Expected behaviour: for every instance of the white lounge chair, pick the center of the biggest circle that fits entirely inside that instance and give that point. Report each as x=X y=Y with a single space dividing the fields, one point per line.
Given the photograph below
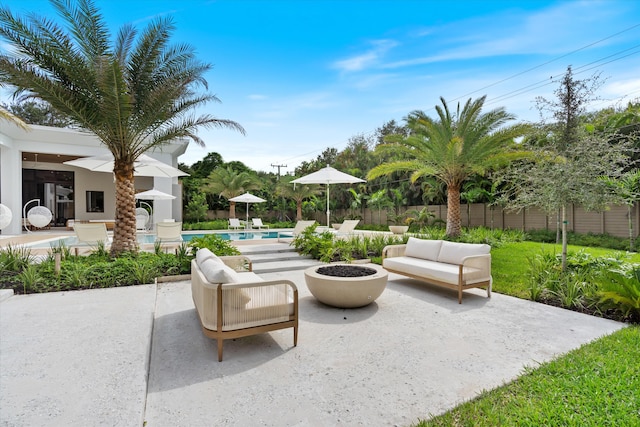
x=169 y=234
x=299 y=228
x=346 y=229
x=234 y=224
x=257 y=223
x=169 y=231
x=91 y=234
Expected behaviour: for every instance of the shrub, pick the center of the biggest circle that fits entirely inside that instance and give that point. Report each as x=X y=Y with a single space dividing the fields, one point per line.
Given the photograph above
x=215 y=244
x=620 y=290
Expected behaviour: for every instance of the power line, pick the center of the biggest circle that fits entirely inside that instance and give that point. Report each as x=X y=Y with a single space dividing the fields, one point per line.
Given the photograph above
x=533 y=86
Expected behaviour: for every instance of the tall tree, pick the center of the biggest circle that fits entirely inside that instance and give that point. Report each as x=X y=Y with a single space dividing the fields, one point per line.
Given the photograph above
x=570 y=160
x=135 y=94
x=228 y=183
x=452 y=148
x=38 y=113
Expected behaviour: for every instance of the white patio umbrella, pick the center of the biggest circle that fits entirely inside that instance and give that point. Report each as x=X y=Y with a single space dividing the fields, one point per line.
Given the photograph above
x=144 y=166
x=328 y=176
x=247 y=198
x=154 y=194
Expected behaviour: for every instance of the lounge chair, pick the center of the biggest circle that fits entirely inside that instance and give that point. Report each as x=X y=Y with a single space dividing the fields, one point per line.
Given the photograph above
x=234 y=224
x=257 y=223
x=169 y=234
x=169 y=231
x=91 y=234
x=346 y=229
x=299 y=228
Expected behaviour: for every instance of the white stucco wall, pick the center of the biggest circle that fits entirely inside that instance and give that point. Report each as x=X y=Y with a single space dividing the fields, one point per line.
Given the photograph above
x=42 y=139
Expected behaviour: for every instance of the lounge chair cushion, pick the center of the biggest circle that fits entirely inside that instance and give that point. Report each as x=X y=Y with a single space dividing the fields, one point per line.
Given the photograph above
x=423 y=249
x=454 y=253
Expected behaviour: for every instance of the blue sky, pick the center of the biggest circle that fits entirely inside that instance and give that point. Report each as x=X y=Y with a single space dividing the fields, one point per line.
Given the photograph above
x=301 y=76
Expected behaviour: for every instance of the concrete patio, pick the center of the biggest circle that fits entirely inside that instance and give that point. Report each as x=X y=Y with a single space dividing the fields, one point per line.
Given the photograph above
x=136 y=356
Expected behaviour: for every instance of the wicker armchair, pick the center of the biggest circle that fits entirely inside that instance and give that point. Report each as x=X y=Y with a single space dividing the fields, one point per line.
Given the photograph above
x=234 y=302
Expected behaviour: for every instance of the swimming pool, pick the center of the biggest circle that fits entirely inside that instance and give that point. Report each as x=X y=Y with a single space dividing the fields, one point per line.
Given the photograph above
x=150 y=238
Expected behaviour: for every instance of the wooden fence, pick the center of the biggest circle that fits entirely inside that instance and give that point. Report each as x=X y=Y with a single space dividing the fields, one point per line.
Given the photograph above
x=614 y=221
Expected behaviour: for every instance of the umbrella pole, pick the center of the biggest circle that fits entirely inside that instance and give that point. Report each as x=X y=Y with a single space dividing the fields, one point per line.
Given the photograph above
x=328 y=212
x=246 y=224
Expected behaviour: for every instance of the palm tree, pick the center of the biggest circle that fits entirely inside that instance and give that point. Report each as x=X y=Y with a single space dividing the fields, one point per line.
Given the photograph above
x=133 y=95
x=452 y=148
x=298 y=193
x=7 y=115
x=229 y=183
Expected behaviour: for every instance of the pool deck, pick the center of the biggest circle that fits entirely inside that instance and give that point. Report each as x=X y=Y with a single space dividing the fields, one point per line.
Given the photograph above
x=136 y=356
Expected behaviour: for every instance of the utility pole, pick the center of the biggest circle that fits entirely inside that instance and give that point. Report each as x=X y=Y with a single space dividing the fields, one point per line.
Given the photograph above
x=278 y=166
x=281 y=216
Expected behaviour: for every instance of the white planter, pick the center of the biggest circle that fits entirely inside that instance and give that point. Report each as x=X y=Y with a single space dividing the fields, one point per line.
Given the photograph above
x=398 y=229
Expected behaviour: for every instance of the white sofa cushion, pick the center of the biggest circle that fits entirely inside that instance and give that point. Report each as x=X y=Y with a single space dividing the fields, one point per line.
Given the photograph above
x=217 y=272
x=433 y=270
x=453 y=253
x=423 y=249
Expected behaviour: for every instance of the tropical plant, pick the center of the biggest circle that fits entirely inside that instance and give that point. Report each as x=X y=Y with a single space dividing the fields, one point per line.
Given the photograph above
x=380 y=201
x=228 y=183
x=214 y=243
x=452 y=148
x=627 y=188
x=298 y=192
x=134 y=95
x=196 y=209
x=620 y=290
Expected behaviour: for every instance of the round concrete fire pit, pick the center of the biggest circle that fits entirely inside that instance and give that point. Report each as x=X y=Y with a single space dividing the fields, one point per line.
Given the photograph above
x=346 y=285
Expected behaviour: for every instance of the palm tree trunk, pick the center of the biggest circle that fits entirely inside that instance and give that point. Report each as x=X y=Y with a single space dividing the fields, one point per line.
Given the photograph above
x=454 y=225
x=124 y=232
x=232 y=209
x=299 y=210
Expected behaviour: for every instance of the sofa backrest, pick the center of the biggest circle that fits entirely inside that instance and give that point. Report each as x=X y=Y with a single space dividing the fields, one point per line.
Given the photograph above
x=454 y=252
x=443 y=250
x=423 y=249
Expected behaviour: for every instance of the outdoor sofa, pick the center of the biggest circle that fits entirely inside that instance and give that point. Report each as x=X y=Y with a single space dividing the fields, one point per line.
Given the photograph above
x=453 y=265
x=234 y=302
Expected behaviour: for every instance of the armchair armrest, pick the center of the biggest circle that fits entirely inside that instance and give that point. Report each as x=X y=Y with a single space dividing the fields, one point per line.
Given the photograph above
x=391 y=251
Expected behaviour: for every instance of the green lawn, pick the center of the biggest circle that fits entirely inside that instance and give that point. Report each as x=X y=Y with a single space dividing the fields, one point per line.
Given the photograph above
x=509 y=263
x=595 y=385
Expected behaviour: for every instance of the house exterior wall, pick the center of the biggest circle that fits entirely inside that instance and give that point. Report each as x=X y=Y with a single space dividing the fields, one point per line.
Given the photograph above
x=50 y=140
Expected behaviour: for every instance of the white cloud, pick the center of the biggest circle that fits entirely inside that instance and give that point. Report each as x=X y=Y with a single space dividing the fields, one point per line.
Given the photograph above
x=367 y=59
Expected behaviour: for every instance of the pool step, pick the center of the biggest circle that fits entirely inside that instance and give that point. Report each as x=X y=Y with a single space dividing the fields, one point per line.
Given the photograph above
x=277 y=257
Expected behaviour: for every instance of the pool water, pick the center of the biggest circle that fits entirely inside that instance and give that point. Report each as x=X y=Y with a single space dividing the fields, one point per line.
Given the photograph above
x=186 y=237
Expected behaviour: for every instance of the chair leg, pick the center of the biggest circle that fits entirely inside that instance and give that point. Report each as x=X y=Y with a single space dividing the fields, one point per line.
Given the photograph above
x=220 y=342
x=295 y=336
x=460 y=295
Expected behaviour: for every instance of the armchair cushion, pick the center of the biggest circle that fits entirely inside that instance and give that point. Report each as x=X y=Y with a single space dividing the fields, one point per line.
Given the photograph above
x=218 y=272
x=203 y=254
